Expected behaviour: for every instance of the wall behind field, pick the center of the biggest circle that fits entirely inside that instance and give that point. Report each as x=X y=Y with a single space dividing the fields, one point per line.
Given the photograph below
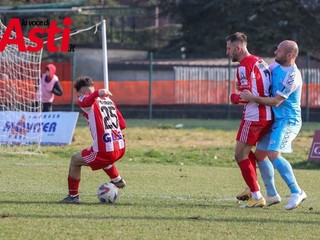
x=130 y=84
x=179 y=88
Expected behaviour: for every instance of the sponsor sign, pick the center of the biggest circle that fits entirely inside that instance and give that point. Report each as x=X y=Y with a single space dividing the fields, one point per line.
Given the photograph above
x=314 y=154
x=48 y=128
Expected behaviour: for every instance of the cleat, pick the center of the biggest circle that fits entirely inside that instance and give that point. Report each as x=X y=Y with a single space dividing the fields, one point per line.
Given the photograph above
x=70 y=199
x=256 y=202
x=295 y=200
x=245 y=195
x=273 y=200
x=119 y=184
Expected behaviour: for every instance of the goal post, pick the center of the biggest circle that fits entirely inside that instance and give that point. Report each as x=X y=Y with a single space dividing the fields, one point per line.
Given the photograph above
x=19 y=81
x=105 y=54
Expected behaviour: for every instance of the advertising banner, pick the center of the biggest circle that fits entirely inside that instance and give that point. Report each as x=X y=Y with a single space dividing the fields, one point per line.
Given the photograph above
x=47 y=128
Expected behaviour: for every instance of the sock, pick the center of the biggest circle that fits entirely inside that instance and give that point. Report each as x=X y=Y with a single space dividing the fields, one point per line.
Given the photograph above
x=117 y=179
x=111 y=171
x=256 y=195
x=286 y=172
x=253 y=161
x=73 y=186
x=267 y=175
x=249 y=174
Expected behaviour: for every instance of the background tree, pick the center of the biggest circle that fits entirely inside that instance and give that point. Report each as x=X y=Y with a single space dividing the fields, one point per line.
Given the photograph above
x=205 y=24
x=200 y=26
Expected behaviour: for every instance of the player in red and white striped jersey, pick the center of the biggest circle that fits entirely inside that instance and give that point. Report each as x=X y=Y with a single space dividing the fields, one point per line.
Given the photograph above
x=106 y=123
x=253 y=74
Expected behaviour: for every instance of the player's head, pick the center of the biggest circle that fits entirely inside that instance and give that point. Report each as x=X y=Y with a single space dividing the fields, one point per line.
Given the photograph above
x=84 y=85
x=286 y=53
x=236 y=46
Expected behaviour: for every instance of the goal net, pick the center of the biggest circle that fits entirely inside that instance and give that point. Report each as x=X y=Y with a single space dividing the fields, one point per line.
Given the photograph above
x=20 y=109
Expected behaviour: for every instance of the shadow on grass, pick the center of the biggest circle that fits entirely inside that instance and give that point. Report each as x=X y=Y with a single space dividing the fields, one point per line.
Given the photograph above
x=306 y=165
x=146 y=204
x=195 y=218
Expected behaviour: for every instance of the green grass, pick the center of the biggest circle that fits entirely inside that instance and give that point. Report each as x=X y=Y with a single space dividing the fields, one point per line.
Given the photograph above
x=181 y=185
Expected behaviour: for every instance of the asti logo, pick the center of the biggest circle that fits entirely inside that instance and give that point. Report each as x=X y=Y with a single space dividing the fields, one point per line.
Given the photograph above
x=51 y=31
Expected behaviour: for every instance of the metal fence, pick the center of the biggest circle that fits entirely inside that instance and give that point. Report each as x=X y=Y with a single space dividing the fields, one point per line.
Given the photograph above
x=213 y=85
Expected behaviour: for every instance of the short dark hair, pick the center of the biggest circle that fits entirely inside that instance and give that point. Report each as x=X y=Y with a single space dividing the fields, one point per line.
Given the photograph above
x=238 y=37
x=83 y=81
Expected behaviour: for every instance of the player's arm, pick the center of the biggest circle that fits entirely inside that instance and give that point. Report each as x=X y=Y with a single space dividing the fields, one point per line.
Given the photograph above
x=242 y=83
x=88 y=100
x=104 y=93
x=269 y=101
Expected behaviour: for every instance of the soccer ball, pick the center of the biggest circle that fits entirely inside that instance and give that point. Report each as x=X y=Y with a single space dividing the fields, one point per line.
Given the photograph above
x=107 y=193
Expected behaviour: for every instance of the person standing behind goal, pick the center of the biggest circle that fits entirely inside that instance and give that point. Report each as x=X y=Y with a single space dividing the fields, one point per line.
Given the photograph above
x=253 y=74
x=50 y=86
x=106 y=123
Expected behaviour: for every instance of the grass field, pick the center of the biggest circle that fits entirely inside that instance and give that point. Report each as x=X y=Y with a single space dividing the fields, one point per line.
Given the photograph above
x=181 y=184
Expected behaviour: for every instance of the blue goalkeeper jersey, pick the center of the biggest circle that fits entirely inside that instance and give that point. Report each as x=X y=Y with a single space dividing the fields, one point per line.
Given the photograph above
x=287 y=82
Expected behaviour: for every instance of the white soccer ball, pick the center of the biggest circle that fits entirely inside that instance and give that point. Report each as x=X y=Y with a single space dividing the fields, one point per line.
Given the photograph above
x=107 y=193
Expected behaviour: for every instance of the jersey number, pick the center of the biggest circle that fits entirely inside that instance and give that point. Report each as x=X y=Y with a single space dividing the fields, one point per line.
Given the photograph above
x=110 y=118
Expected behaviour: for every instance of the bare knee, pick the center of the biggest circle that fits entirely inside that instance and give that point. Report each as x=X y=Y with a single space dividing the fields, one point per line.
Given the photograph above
x=272 y=155
x=76 y=160
x=242 y=151
x=260 y=155
x=238 y=156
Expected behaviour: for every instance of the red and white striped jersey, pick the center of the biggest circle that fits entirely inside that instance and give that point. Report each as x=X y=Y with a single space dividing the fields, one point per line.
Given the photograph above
x=254 y=75
x=105 y=122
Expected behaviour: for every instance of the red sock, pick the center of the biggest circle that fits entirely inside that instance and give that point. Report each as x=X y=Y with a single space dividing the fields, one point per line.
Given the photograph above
x=249 y=174
x=253 y=161
x=112 y=172
x=73 y=185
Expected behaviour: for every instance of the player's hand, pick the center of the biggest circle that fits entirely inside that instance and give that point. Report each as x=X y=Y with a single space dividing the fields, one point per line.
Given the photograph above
x=104 y=93
x=246 y=96
x=234 y=98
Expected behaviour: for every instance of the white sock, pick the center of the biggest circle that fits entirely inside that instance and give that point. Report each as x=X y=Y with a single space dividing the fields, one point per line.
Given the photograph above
x=117 y=179
x=256 y=195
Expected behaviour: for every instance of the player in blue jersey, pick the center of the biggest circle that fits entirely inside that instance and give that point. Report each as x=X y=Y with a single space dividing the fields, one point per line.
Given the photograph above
x=285 y=101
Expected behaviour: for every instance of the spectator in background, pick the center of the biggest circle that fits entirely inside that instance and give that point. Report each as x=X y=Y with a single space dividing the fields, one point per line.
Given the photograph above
x=50 y=86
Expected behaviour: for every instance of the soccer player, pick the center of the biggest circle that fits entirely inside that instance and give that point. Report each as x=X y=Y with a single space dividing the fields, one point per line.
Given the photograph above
x=105 y=122
x=253 y=74
x=285 y=102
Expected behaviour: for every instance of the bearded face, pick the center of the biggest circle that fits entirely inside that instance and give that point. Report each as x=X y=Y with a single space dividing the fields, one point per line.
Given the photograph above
x=280 y=55
x=232 y=51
